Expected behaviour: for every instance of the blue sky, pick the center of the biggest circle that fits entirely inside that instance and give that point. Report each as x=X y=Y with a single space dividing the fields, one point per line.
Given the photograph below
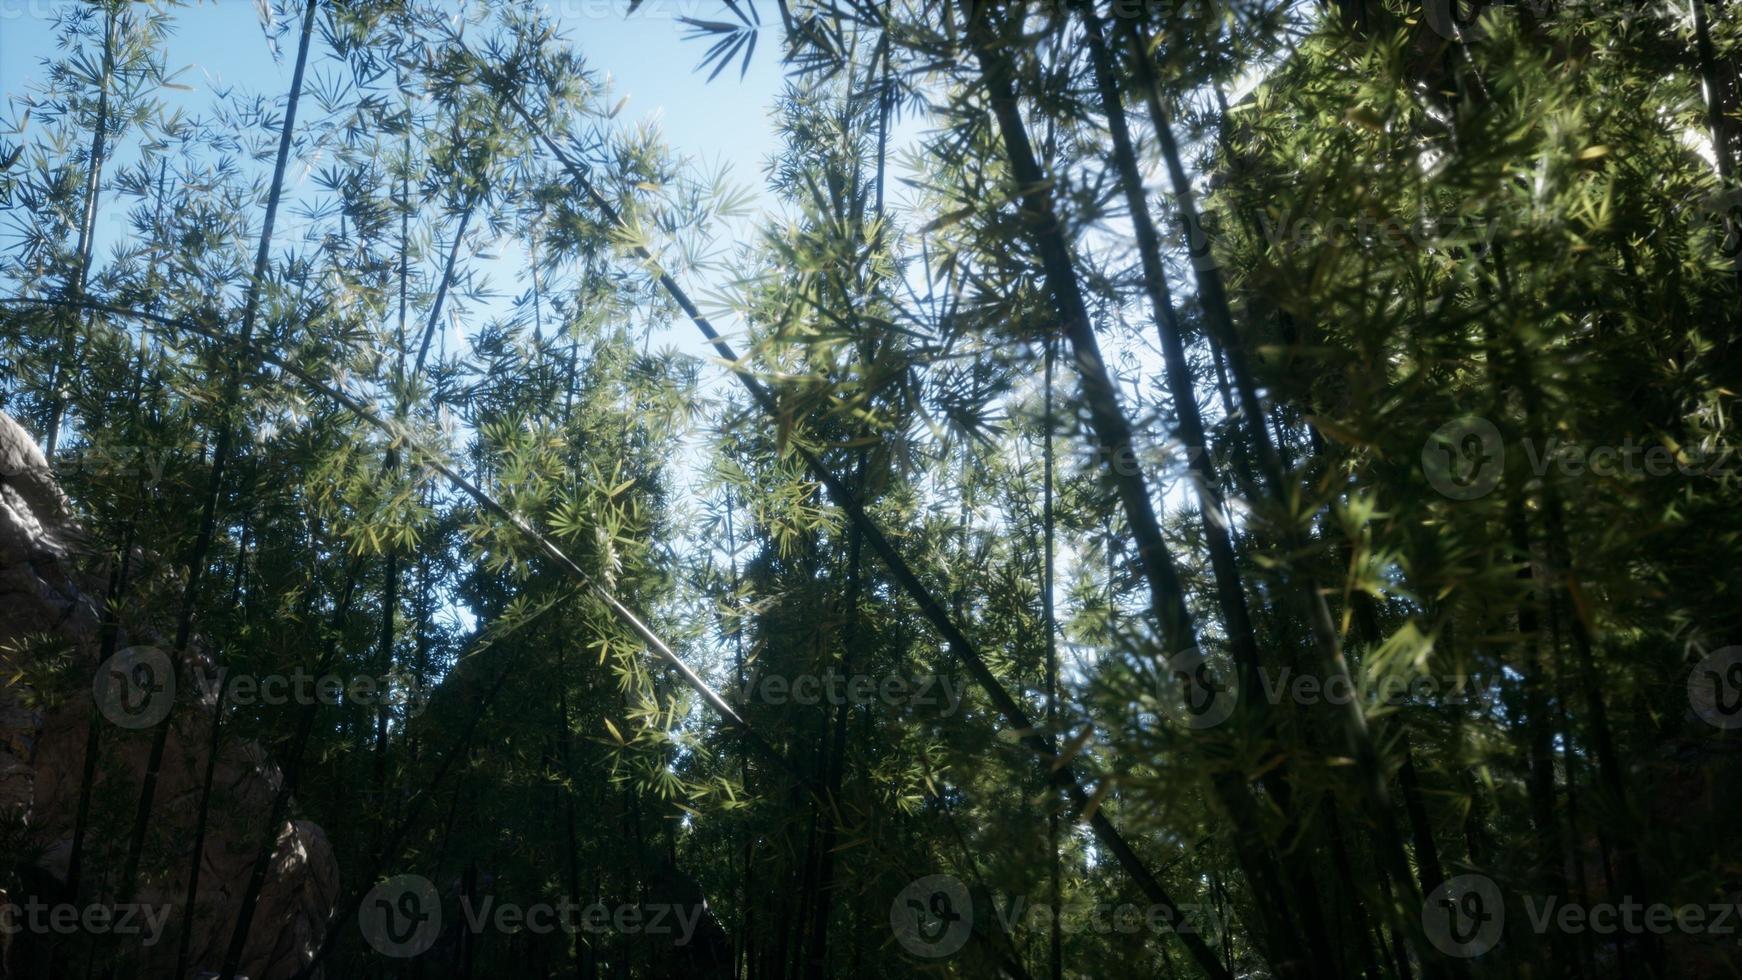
x=726 y=121
x=644 y=53
x=723 y=122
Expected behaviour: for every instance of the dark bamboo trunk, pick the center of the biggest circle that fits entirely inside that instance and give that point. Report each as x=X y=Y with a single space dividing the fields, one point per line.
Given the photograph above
x=929 y=606
x=221 y=449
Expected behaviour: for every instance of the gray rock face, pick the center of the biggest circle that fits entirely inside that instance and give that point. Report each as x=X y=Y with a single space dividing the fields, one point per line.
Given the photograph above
x=49 y=607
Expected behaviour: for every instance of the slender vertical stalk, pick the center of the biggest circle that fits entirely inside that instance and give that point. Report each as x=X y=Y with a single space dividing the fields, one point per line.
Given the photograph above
x=1113 y=431
x=1212 y=292
x=565 y=750
x=390 y=467
x=435 y=310
x=1372 y=788
x=929 y=606
x=746 y=919
x=1717 y=93
x=289 y=778
x=1216 y=519
x=110 y=629
x=87 y=229
x=1564 y=575
x=108 y=639
x=189 y=909
x=384 y=670
x=221 y=450
x=346 y=910
x=1055 y=890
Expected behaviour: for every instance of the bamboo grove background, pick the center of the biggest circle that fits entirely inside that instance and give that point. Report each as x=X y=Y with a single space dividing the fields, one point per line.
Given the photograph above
x=1127 y=405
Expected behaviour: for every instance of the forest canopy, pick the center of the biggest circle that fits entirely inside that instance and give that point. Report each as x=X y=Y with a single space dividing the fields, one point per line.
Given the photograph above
x=1145 y=488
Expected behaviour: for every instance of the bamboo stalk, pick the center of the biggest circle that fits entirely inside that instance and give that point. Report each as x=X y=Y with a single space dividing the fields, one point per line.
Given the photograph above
x=221 y=450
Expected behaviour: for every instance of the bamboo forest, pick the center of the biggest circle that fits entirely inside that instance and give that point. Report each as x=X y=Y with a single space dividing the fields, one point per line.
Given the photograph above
x=871 y=488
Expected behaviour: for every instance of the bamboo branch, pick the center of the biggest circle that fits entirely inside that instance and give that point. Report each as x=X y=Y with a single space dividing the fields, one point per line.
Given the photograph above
x=1014 y=714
